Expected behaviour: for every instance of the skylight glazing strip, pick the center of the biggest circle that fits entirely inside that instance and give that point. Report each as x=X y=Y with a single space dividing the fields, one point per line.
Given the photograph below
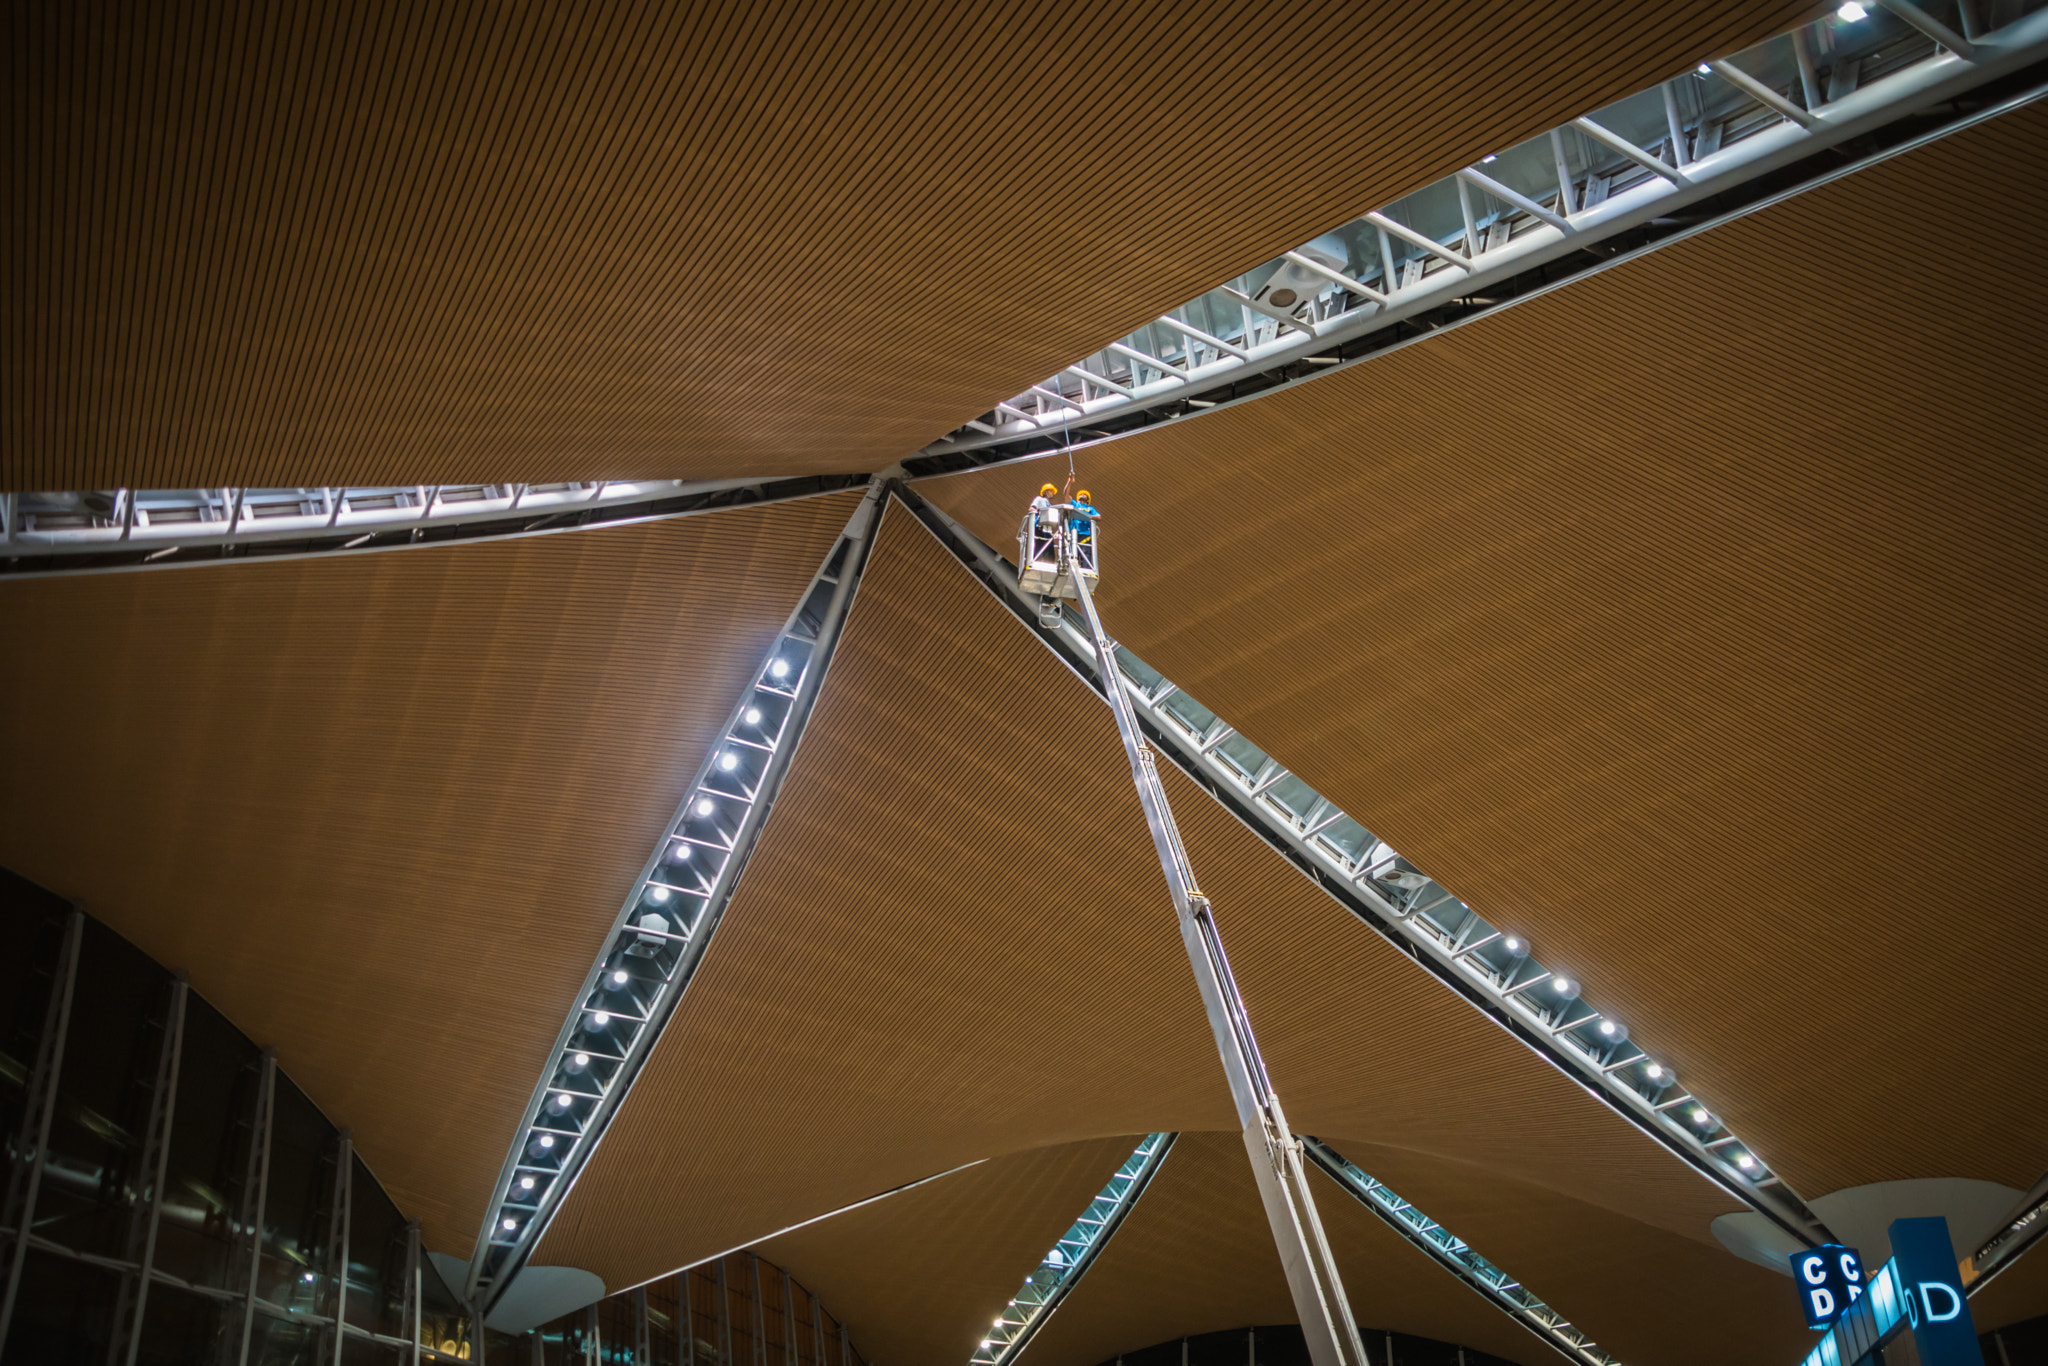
x=1453 y=1254
x=1467 y=235
x=95 y=527
x=659 y=936
x=1071 y=1256
x=1491 y=967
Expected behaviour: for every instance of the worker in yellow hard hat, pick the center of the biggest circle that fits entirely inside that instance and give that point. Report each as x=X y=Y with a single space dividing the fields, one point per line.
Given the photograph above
x=1045 y=522
x=1084 y=527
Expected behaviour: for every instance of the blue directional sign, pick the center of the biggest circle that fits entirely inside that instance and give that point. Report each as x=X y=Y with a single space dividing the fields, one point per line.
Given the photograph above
x=1933 y=1290
x=1830 y=1279
x=1919 y=1288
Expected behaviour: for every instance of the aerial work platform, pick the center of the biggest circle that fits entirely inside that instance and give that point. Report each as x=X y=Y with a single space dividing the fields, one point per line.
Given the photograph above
x=1046 y=565
x=1070 y=570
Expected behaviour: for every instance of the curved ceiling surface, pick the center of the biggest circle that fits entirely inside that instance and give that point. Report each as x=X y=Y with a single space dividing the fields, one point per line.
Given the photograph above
x=1688 y=619
x=456 y=243
x=384 y=807
x=953 y=941
x=923 y=1273
x=1195 y=1255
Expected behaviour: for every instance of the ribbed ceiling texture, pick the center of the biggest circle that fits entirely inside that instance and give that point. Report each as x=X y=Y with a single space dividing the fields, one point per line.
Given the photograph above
x=1688 y=619
x=458 y=243
x=924 y=1272
x=885 y=1000
x=1195 y=1256
x=384 y=807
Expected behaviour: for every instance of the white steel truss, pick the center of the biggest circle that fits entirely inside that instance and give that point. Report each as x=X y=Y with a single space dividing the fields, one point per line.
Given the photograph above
x=669 y=916
x=94 y=528
x=1455 y=1256
x=1491 y=968
x=1649 y=170
x=1070 y=1257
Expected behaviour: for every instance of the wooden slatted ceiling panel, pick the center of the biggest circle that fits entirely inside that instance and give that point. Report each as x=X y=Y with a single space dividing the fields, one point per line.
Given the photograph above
x=1690 y=620
x=1635 y=1288
x=922 y=967
x=384 y=807
x=457 y=243
x=953 y=942
x=2017 y=1295
x=922 y=1275
x=1196 y=1256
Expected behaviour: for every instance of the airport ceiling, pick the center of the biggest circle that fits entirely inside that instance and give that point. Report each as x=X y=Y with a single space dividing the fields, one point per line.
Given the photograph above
x=449 y=243
x=1687 y=619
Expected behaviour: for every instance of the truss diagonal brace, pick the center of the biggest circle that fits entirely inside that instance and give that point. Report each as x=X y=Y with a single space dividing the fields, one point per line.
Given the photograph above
x=1275 y=1153
x=659 y=937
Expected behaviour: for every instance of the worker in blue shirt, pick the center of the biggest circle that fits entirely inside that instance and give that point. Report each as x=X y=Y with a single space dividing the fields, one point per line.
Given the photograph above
x=1084 y=527
x=1084 y=530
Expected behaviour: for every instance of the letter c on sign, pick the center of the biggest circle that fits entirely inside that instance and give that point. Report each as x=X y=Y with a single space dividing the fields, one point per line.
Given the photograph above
x=1815 y=1269
x=1955 y=1301
x=1824 y=1303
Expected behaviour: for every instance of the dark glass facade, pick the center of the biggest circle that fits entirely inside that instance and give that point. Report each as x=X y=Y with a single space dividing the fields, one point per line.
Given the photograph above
x=178 y=1147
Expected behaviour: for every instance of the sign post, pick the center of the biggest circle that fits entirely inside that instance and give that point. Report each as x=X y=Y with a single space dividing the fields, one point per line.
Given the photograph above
x=1919 y=1288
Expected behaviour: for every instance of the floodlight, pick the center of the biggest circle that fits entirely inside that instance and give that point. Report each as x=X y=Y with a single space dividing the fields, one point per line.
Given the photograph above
x=563 y=1100
x=600 y=1019
x=657 y=894
x=1516 y=947
x=526 y=1183
x=679 y=854
x=577 y=1062
x=753 y=716
x=1654 y=1071
x=1852 y=11
x=1564 y=987
x=510 y=1224
x=1701 y=1117
x=704 y=807
x=648 y=943
x=1745 y=1161
x=728 y=761
x=620 y=977
x=779 y=669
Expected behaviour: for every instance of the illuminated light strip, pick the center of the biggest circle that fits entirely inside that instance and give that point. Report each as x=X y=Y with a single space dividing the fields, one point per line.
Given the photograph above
x=1452 y=1253
x=1432 y=927
x=84 y=530
x=1524 y=240
x=1071 y=1256
x=645 y=966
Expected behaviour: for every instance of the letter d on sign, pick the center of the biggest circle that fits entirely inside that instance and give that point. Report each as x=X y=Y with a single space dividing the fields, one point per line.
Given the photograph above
x=1821 y=1305
x=1926 y=1261
x=1929 y=1290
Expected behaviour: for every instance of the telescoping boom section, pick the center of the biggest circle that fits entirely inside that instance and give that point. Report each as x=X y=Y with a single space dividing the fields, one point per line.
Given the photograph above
x=1276 y=1155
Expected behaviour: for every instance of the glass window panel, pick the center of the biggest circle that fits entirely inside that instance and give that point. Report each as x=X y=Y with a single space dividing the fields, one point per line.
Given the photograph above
x=61 y=1310
x=1246 y=757
x=295 y=1209
x=356 y=1352
x=180 y=1326
x=110 y=1061
x=1347 y=837
x=33 y=922
x=209 y=1142
x=376 y=1254
x=1295 y=795
x=275 y=1342
x=443 y=1323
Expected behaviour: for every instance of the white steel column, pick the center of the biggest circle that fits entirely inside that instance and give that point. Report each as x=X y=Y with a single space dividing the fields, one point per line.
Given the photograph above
x=1275 y=1154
